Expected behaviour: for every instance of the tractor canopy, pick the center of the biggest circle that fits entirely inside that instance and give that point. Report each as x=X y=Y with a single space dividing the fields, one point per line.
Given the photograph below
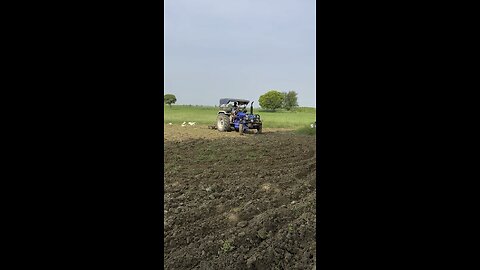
x=225 y=101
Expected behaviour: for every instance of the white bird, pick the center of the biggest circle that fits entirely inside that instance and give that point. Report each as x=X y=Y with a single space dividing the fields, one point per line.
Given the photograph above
x=311 y=125
x=169 y=124
x=191 y=123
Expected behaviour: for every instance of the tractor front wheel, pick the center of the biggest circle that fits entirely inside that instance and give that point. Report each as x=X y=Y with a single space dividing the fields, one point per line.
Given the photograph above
x=223 y=122
x=259 y=130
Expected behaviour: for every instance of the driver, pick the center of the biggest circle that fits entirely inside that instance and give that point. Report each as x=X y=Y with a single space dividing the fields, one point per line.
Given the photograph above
x=234 y=111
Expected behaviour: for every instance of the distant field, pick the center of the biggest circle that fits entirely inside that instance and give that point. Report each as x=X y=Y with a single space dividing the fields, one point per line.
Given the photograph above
x=206 y=115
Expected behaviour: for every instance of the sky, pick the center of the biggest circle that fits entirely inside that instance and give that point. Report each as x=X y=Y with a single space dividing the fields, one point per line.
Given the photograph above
x=239 y=49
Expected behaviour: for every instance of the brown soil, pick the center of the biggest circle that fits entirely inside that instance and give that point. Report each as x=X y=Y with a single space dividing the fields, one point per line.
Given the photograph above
x=239 y=202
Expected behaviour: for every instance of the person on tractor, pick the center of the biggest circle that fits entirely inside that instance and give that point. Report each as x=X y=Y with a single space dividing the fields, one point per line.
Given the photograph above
x=234 y=111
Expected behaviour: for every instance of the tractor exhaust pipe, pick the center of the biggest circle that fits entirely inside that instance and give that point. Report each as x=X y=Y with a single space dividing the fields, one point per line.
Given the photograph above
x=251 y=108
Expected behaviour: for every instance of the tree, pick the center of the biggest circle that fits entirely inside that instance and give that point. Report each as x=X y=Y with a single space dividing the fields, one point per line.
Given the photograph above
x=290 y=100
x=271 y=100
x=169 y=99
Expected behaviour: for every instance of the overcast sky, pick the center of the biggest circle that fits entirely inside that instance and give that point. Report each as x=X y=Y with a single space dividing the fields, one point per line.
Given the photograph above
x=239 y=49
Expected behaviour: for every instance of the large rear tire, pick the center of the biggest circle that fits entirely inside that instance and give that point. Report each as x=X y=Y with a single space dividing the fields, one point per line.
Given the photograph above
x=223 y=122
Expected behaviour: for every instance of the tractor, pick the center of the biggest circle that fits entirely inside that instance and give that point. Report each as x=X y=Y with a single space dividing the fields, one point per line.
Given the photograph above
x=233 y=115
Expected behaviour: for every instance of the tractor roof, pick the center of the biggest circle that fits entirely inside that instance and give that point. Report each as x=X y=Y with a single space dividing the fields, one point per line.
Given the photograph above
x=240 y=101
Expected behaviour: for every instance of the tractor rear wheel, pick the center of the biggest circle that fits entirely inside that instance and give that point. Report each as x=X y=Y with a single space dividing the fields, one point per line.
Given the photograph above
x=223 y=122
x=240 y=129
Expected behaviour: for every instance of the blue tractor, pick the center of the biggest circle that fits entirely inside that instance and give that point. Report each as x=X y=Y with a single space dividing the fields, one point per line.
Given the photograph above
x=233 y=116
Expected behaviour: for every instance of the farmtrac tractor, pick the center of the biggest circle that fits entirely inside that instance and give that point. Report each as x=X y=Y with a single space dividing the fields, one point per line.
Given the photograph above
x=233 y=116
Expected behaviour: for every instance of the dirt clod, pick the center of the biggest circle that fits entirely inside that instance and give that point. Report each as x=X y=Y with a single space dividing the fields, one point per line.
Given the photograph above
x=242 y=224
x=250 y=261
x=262 y=233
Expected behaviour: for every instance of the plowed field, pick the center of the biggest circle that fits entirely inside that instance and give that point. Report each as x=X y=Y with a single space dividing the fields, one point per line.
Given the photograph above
x=239 y=202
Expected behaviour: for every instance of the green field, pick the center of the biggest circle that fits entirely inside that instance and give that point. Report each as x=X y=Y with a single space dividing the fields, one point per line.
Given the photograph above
x=205 y=115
